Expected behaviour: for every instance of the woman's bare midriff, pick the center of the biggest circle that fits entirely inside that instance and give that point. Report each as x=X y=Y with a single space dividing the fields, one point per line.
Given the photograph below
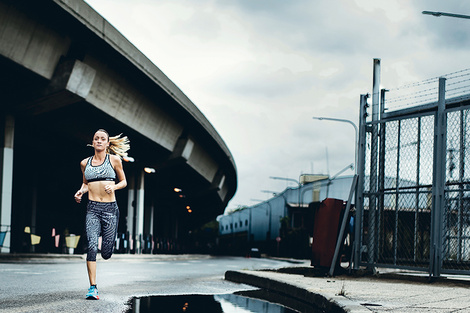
x=96 y=191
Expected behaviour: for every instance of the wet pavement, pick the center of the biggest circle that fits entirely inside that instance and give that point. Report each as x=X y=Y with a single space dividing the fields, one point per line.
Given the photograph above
x=296 y=285
x=58 y=283
x=223 y=303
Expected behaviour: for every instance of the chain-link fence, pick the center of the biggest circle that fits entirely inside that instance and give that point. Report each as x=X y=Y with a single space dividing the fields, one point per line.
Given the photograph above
x=456 y=234
x=416 y=181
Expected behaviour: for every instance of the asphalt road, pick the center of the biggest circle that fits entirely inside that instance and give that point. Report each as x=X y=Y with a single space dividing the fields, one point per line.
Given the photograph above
x=60 y=286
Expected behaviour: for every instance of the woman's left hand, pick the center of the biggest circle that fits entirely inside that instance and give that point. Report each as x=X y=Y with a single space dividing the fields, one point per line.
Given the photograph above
x=109 y=189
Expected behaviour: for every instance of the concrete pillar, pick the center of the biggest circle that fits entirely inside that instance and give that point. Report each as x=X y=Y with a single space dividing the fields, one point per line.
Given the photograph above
x=139 y=215
x=149 y=221
x=151 y=217
x=130 y=207
x=34 y=206
x=176 y=228
x=7 y=180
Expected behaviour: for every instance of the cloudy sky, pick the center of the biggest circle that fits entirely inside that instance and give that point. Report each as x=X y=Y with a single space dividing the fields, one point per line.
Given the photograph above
x=259 y=70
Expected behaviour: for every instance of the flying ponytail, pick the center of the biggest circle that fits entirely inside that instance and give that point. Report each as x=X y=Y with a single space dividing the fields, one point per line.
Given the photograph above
x=117 y=145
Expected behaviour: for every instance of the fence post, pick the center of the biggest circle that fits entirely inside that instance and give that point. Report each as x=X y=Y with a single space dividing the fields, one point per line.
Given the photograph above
x=381 y=175
x=439 y=177
x=372 y=225
x=361 y=142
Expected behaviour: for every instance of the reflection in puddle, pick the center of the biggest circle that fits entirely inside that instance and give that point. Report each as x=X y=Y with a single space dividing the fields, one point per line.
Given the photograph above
x=227 y=303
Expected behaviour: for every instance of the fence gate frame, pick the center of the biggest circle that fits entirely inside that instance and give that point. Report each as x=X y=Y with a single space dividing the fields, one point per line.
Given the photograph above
x=371 y=192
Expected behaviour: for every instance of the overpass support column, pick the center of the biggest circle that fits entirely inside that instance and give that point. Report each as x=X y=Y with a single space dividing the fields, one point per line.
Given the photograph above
x=130 y=209
x=139 y=215
x=148 y=226
x=7 y=180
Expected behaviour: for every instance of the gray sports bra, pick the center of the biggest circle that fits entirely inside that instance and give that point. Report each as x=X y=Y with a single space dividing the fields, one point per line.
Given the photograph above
x=105 y=171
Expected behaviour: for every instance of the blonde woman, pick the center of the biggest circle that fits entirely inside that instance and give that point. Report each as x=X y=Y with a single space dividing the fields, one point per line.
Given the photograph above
x=103 y=174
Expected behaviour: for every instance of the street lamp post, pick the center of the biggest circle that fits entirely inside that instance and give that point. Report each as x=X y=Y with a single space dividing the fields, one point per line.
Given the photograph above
x=355 y=130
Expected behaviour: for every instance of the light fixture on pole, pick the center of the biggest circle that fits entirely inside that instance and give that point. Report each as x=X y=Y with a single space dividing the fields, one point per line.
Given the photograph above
x=355 y=129
x=128 y=159
x=274 y=193
x=149 y=170
x=438 y=14
x=285 y=178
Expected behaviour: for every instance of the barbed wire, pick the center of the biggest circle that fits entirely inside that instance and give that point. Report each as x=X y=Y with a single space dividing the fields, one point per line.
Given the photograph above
x=450 y=83
x=416 y=93
x=415 y=84
x=412 y=97
x=449 y=76
x=407 y=96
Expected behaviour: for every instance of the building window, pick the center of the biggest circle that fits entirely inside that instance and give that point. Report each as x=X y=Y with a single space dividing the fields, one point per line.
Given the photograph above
x=246 y=222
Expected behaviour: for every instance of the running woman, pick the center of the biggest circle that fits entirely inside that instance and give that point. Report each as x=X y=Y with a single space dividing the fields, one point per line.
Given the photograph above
x=103 y=174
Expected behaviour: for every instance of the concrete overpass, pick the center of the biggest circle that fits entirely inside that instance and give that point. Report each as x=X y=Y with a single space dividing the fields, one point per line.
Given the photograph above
x=64 y=73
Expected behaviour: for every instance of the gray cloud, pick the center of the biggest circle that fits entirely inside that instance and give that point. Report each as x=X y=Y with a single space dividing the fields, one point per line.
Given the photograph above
x=261 y=69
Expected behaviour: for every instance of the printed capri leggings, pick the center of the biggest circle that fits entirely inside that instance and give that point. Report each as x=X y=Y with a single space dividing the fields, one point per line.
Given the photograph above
x=101 y=219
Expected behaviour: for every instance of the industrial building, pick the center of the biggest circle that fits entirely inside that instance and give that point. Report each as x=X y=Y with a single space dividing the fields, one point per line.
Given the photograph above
x=260 y=226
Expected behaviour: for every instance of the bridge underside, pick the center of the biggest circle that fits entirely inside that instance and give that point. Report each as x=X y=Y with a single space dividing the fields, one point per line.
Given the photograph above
x=60 y=83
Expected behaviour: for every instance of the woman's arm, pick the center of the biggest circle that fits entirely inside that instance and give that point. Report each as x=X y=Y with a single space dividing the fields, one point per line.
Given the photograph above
x=84 y=188
x=122 y=182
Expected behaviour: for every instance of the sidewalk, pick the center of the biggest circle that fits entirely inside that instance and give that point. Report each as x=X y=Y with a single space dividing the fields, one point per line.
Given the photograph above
x=391 y=291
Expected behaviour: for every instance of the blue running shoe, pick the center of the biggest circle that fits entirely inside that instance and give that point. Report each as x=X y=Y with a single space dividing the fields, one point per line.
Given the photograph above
x=92 y=293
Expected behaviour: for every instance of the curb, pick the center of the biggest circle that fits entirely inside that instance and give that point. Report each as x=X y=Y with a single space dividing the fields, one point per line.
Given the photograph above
x=55 y=257
x=38 y=258
x=324 y=302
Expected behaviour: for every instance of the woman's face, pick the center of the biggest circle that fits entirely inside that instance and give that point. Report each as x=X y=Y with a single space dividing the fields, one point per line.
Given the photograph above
x=100 y=141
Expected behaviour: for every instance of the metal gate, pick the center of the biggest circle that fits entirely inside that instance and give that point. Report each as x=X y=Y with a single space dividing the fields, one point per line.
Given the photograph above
x=413 y=196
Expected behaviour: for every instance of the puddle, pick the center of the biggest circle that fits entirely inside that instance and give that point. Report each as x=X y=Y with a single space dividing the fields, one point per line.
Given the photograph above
x=225 y=303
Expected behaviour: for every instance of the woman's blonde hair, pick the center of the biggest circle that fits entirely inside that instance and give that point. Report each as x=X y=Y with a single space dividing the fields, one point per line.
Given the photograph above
x=117 y=145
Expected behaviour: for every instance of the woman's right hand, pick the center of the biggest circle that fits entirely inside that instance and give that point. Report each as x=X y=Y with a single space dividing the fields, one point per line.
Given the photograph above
x=78 y=196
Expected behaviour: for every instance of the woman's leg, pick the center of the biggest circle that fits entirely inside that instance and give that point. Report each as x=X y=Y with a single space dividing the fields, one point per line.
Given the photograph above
x=91 y=267
x=109 y=225
x=92 y=229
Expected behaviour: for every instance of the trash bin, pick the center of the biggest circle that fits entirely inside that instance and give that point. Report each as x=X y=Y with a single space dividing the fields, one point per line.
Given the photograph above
x=327 y=220
x=71 y=241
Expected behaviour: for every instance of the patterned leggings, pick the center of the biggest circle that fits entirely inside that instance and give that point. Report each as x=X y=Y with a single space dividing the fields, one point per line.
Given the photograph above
x=101 y=219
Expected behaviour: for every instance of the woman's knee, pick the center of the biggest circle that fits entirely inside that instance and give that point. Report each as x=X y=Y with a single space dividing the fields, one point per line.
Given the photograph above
x=91 y=255
x=106 y=254
x=107 y=250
